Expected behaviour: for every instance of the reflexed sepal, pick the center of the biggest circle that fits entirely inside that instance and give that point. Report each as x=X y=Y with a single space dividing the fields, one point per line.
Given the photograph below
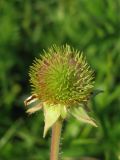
x=35 y=108
x=63 y=112
x=96 y=92
x=51 y=113
x=80 y=114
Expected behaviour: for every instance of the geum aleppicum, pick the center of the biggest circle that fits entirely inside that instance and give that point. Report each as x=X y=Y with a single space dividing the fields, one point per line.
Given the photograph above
x=62 y=83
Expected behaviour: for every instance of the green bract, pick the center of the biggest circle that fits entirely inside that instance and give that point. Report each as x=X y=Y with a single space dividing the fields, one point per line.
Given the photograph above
x=62 y=81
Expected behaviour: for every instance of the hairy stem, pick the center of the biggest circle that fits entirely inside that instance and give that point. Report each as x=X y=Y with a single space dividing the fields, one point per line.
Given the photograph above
x=55 y=140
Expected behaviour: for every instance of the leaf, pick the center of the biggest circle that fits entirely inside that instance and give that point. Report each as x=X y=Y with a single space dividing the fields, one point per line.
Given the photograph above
x=51 y=114
x=80 y=114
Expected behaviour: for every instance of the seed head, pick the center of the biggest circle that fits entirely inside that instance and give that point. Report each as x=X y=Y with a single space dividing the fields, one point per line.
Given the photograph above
x=61 y=79
x=61 y=76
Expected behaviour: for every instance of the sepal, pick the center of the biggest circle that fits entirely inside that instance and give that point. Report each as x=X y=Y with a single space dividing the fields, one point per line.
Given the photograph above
x=80 y=114
x=51 y=114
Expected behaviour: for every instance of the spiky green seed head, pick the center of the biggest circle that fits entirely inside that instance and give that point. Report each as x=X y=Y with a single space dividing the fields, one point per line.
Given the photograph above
x=62 y=76
x=62 y=82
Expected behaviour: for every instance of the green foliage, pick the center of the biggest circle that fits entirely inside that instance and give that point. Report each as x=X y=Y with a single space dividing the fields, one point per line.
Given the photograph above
x=26 y=27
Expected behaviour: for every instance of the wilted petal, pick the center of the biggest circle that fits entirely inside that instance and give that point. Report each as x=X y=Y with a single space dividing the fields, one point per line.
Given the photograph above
x=51 y=113
x=31 y=99
x=35 y=108
x=80 y=114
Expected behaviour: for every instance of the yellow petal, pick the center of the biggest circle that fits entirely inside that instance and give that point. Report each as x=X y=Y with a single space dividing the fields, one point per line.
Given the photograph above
x=51 y=114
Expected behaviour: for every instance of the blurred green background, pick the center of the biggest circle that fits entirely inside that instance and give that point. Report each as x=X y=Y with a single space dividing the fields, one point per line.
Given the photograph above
x=26 y=28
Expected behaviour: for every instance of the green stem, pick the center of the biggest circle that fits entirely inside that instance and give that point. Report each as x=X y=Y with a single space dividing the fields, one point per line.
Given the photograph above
x=55 y=140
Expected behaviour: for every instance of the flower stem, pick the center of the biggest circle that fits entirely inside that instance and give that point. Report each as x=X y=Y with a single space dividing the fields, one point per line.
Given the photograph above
x=55 y=140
